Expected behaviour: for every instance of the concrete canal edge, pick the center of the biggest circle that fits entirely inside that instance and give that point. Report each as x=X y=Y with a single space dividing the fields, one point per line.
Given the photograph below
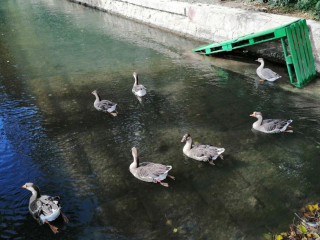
x=205 y=22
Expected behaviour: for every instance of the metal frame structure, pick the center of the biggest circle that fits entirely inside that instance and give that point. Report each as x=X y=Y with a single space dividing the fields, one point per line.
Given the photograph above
x=295 y=43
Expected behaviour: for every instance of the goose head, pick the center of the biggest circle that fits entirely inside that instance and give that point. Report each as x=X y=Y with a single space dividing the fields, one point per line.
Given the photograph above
x=186 y=138
x=256 y=114
x=32 y=188
x=260 y=60
x=135 y=74
x=95 y=93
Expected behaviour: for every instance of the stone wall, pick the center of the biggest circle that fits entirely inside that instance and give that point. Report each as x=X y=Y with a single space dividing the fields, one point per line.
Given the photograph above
x=210 y=23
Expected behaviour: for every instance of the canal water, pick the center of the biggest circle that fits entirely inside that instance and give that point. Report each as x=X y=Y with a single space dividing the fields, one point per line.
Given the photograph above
x=54 y=53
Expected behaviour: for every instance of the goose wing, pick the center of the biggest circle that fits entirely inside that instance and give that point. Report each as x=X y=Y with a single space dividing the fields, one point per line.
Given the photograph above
x=104 y=105
x=152 y=171
x=137 y=88
x=268 y=74
x=45 y=205
x=206 y=151
x=275 y=124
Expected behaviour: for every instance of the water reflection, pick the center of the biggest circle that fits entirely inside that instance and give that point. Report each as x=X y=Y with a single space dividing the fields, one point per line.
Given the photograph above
x=51 y=134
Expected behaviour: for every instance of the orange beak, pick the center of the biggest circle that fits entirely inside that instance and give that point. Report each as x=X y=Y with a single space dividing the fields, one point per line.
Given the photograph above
x=252 y=115
x=24 y=186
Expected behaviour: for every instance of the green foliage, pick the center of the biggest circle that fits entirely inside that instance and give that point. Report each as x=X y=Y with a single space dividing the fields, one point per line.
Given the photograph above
x=307 y=4
x=303 y=229
x=284 y=3
x=311 y=6
x=304 y=5
x=317 y=10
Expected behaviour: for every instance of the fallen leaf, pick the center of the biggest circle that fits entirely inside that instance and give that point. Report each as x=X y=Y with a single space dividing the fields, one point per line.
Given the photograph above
x=303 y=229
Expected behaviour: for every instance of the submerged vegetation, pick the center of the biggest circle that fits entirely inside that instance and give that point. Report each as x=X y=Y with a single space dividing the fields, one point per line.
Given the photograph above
x=306 y=227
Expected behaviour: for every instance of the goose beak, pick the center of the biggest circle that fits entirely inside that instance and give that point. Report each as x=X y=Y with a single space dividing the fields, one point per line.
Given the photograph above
x=257 y=60
x=24 y=186
x=183 y=139
x=252 y=115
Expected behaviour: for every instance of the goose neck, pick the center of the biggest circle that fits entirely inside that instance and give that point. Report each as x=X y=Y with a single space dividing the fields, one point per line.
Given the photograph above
x=188 y=144
x=259 y=121
x=98 y=99
x=35 y=194
x=135 y=163
x=261 y=65
x=136 y=80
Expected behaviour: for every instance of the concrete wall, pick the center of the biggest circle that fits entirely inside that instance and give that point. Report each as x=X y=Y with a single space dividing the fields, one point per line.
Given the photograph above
x=210 y=23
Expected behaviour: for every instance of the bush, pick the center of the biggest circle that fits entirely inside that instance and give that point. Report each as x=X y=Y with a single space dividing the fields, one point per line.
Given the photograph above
x=306 y=5
x=311 y=6
x=317 y=9
x=285 y=3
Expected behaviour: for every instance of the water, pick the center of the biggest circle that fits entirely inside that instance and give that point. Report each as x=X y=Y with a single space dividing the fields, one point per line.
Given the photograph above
x=54 y=53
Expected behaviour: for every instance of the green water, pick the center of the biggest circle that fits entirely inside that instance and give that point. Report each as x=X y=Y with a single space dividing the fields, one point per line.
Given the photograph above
x=55 y=53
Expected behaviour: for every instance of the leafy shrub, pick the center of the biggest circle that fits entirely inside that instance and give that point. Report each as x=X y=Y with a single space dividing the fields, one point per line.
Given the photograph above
x=311 y=6
x=317 y=9
x=306 y=5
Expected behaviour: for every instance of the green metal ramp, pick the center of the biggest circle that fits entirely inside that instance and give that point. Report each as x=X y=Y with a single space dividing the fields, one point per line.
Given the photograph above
x=296 y=47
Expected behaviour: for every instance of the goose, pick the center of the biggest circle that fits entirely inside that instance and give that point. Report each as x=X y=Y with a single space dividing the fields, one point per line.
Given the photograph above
x=44 y=208
x=104 y=105
x=270 y=125
x=148 y=171
x=266 y=73
x=205 y=153
x=138 y=89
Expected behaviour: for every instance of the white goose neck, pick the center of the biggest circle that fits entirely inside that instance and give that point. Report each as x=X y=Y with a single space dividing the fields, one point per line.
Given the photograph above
x=261 y=65
x=135 y=163
x=97 y=97
x=34 y=195
x=258 y=122
x=188 y=145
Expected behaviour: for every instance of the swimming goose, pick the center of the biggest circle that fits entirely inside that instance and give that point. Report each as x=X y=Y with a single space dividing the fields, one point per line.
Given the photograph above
x=205 y=153
x=270 y=125
x=44 y=208
x=148 y=171
x=138 y=89
x=266 y=73
x=104 y=105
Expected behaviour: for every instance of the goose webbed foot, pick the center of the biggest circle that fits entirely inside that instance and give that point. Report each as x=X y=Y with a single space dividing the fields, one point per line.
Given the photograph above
x=221 y=156
x=53 y=228
x=261 y=80
x=211 y=162
x=288 y=131
x=172 y=177
x=65 y=219
x=163 y=184
x=114 y=113
x=139 y=99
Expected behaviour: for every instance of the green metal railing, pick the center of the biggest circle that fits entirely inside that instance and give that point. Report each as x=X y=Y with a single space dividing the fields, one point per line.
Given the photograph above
x=295 y=43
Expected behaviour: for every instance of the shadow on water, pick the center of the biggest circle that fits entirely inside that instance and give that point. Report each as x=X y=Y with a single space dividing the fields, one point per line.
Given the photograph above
x=52 y=135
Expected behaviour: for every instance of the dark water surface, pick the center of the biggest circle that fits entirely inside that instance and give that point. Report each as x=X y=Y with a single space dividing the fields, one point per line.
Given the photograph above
x=53 y=53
